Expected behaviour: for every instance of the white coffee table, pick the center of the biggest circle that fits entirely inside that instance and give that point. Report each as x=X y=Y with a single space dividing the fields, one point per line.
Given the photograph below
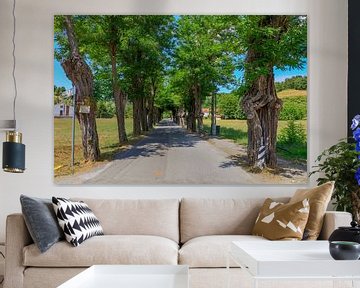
x=131 y=276
x=293 y=260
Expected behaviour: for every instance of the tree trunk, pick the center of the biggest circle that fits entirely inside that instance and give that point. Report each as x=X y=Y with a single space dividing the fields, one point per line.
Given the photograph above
x=137 y=116
x=151 y=100
x=260 y=103
x=194 y=119
x=144 y=115
x=119 y=96
x=213 y=114
x=182 y=117
x=157 y=115
x=151 y=115
x=173 y=115
x=198 y=107
x=191 y=116
x=81 y=76
x=120 y=104
x=262 y=107
x=177 y=116
x=138 y=102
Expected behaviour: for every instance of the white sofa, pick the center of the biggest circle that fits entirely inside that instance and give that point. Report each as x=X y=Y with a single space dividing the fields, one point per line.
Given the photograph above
x=194 y=232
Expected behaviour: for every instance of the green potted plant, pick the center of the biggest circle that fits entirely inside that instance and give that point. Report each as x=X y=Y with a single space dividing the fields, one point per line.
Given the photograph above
x=341 y=163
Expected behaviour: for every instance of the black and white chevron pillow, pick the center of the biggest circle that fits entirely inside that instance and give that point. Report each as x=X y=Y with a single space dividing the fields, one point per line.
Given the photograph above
x=77 y=220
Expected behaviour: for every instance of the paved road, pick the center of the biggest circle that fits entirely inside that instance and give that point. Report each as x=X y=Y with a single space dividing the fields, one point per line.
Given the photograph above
x=171 y=155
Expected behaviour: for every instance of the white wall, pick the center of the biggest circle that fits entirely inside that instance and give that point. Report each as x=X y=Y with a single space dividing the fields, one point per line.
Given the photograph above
x=327 y=89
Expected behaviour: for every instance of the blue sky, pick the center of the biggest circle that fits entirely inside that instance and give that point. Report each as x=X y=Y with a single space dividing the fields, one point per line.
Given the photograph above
x=280 y=75
x=60 y=78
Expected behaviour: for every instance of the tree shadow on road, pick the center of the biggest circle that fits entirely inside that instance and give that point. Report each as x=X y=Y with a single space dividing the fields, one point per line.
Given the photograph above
x=287 y=171
x=148 y=150
x=234 y=161
x=158 y=142
x=166 y=123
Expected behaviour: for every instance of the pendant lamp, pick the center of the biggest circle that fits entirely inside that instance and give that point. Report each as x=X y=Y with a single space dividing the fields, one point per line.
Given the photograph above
x=13 y=159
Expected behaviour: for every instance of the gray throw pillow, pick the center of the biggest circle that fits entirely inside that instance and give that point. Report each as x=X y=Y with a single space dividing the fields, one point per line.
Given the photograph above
x=41 y=222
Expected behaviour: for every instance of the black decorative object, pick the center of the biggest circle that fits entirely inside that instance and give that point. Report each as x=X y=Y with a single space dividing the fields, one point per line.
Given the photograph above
x=344 y=250
x=345 y=233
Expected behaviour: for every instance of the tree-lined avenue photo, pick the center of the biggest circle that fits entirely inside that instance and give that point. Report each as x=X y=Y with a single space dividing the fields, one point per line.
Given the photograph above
x=180 y=99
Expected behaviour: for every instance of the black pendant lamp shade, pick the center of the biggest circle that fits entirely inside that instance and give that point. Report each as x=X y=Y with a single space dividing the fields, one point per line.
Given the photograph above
x=13 y=153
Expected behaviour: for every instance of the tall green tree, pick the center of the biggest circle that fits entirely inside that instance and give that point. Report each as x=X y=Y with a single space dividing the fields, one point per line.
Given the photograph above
x=115 y=24
x=270 y=41
x=202 y=62
x=101 y=36
x=143 y=55
x=229 y=106
x=80 y=74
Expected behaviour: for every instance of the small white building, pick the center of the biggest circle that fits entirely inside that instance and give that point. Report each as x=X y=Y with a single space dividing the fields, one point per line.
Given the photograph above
x=63 y=110
x=206 y=112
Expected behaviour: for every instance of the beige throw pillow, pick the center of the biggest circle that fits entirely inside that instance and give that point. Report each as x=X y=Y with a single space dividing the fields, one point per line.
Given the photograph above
x=279 y=221
x=319 y=198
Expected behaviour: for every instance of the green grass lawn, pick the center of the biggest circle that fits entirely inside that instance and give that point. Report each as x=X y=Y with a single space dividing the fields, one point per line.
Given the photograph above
x=108 y=138
x=237 y=130
x=291 y=93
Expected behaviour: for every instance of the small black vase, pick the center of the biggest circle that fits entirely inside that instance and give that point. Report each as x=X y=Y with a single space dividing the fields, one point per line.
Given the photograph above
x=343 y=250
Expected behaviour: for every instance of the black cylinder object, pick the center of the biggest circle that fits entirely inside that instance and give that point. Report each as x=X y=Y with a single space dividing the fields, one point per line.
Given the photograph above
x=13 y=157
x=351 y=233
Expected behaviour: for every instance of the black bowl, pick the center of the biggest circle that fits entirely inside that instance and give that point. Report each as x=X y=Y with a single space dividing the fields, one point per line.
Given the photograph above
x=344 y=250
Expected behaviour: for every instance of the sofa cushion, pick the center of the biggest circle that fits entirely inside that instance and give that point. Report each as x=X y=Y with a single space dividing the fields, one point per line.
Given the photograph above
x=319 y=198
x=279 y=221
x=41 y=221
x=77 y=220
x=107 y=249
x=201 y=217
x=158 y=217
x=211 y=251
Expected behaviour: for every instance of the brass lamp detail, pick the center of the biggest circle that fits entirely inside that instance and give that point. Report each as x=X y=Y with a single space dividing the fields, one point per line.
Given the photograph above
x=13 y=153
x=13 y=136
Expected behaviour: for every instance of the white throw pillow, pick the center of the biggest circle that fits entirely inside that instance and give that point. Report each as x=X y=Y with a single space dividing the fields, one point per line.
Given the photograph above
x=77 y=220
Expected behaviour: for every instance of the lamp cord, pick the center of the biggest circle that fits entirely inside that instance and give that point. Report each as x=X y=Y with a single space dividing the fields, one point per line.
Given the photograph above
x=14 y=60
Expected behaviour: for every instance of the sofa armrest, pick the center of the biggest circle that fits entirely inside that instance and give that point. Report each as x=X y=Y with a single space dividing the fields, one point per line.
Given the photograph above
x=17 y=237
x=333 y=220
